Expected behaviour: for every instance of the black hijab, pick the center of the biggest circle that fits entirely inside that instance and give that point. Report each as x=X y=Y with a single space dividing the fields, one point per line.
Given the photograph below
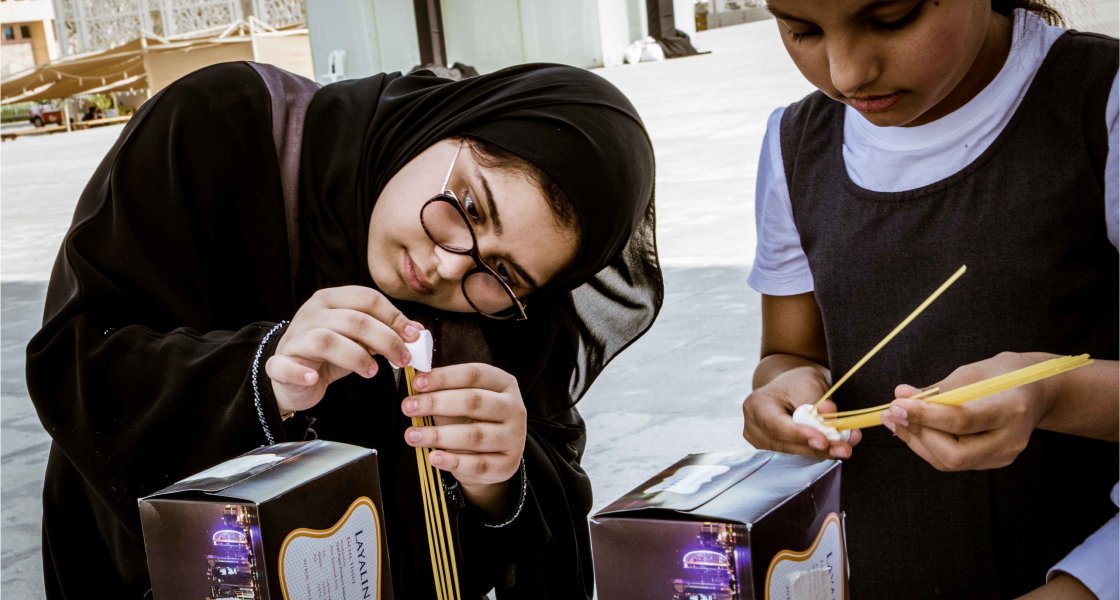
x=572 y=124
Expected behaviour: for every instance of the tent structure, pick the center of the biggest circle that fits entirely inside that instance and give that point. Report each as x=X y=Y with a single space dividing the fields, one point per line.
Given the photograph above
x=150 y=63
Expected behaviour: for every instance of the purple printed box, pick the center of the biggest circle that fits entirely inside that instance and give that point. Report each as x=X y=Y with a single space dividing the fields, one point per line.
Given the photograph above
x=296 y=521
x=722 y=526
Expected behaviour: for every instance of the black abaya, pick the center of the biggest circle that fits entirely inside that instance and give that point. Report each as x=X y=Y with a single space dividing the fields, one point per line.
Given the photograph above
x=175 y=267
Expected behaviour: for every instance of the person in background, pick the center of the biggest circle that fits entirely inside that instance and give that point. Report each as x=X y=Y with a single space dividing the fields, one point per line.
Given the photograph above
x=944 y=132
x=251 y=257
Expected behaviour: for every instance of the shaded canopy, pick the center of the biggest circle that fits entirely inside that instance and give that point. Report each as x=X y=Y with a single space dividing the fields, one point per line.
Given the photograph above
x=150 y=62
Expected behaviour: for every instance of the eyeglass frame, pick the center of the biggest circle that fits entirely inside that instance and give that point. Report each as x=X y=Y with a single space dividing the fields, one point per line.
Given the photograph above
x=448 y=196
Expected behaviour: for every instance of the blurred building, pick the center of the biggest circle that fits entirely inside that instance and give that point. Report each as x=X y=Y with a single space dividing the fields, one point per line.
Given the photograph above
x=96 y=25
x=357 y=38
x=29 y=35
x=711 y=14
x=120 y=52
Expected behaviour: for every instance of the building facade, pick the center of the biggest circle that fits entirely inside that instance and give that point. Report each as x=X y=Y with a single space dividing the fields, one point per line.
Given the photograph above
x=29 y=35
x=95 y=25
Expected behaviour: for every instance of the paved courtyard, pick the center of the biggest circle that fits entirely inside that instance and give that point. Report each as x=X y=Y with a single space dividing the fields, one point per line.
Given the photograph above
x=675 y=391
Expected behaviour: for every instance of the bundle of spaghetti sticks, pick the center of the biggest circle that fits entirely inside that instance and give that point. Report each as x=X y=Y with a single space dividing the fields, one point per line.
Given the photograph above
x=441 y=545
x=870 y=417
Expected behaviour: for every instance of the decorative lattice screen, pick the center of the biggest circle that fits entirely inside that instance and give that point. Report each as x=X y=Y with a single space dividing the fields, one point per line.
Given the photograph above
x=94 y=25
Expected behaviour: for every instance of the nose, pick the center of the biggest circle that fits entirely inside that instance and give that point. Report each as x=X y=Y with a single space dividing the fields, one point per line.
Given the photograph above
x=853 y=63
x=452 y=266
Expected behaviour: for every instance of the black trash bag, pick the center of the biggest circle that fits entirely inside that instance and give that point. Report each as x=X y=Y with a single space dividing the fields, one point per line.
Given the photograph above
x=455 y=72
x=678 y=44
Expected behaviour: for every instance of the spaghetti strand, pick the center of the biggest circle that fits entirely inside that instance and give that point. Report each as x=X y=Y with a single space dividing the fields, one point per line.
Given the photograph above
x=890 y=336
x=437 y=521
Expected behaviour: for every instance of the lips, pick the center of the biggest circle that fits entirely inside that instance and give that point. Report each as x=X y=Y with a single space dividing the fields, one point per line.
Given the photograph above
x=412 y=278
x=874 y=104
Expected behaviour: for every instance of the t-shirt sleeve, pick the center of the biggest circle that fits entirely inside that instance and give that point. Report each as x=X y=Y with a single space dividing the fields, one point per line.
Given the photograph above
x=1112 y=167
x=780 y=265
x=1094 y=562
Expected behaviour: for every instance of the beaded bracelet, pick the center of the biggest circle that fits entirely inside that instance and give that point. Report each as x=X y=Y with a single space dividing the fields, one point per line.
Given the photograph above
x=256 y=390
x=520 y=501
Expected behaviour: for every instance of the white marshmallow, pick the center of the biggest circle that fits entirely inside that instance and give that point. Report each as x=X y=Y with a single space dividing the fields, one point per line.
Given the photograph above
x=421 y=351
x=807 y=415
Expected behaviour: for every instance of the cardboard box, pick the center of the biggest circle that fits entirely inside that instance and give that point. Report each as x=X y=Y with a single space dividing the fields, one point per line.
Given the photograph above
x=298 y=520
x=726 y=527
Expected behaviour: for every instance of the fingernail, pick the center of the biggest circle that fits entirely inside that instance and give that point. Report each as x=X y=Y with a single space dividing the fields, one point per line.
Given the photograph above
x=409 y=407
x=413 y=435
x=887 y=422
x=420 y=381
x=838 y=452
x=410 y=331
x=405 y=358
x=372 y=370
x=309 y=377
x=435 y=459
x=817 y=444
x=899 y=416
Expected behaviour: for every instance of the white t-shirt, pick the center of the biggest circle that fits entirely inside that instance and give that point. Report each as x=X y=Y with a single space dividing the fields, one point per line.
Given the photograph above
x=895 y=159
x=1094 y=562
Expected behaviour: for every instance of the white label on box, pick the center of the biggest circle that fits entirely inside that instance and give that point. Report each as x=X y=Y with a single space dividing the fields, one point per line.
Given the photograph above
x=813 y=574
x=236 y=466
x=688 y=479
x=340 y=563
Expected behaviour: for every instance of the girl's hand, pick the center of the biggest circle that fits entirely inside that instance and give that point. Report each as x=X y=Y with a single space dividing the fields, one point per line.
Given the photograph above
x=768 y=416
x=336 y=332
x=983 y=434
x=479 y=431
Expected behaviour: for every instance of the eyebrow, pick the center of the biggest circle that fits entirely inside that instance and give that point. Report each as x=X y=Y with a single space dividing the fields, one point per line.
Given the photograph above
x=865 y=9
x=523 y=274
x=781 y=14
x=492 y=208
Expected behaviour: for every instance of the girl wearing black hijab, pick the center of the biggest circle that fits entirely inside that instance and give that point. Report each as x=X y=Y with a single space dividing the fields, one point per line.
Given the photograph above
x=253 y=246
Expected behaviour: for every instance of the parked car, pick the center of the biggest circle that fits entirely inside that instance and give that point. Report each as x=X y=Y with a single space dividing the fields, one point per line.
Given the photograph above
x=45 y=114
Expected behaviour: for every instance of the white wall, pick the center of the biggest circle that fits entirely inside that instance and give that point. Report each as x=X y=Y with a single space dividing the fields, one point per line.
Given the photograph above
x=499 y=33
x=684 y=15
x=26 y=10
x=378 y=36
x=615 y=29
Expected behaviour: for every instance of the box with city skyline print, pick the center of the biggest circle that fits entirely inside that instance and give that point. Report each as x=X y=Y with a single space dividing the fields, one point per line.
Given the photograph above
x=296 y=521
x=726 y=526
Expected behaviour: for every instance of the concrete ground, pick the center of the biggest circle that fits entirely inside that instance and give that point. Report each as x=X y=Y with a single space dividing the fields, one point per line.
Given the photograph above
x=676 y=391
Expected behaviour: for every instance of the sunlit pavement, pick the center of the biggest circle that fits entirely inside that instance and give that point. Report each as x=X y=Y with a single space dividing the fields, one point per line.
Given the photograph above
x=675 y=391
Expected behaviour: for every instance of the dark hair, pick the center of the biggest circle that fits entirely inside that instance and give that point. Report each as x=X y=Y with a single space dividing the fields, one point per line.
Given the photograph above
x=1040 y=7
x=493 y=156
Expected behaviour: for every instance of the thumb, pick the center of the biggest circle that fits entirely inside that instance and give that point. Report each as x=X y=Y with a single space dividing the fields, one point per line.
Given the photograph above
x=287 y=371
x=905 y=391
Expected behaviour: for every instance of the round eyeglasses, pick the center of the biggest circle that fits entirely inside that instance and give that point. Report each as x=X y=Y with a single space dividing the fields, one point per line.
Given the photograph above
x=447 y=224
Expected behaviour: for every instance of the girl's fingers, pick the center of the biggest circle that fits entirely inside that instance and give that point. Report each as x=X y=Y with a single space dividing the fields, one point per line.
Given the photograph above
x=331 y=347
x=768 y=424
x=974 y=417
x=476 y=404
x=463 y=437
x=987 y=450
x=913 y=437
x=297 y=386
x=905 y=391
x=465 y=376
x=476 y=468
x=288 y=371
x=374 y=335
x=370 y=302
x=947 y=452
